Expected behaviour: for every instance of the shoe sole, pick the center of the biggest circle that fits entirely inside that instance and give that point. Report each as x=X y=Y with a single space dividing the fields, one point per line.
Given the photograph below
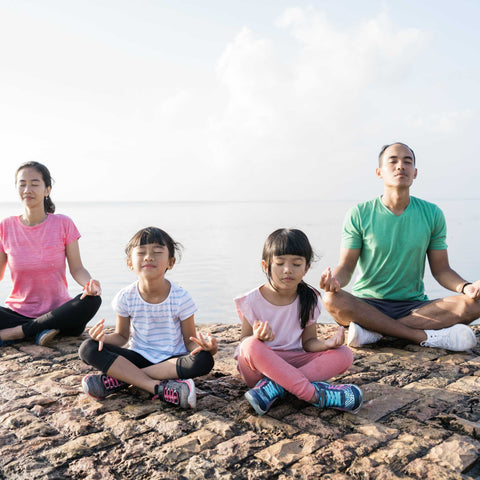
x=358 y=408
x=254 y=404
x=47 y=338
x=192 y=397
x=352 y=331
x=361 y=403
x=473 y=340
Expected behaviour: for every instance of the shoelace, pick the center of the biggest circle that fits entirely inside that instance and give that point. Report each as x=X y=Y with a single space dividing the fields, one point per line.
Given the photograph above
x=333 y=398
x=271 y=390
x=171 y=395
x=110 y=382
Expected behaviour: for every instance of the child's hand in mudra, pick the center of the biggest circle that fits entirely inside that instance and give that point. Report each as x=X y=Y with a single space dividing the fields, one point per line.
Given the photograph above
x=337 y=339
x=263 y=331
x=97 y=332
x=207 y=343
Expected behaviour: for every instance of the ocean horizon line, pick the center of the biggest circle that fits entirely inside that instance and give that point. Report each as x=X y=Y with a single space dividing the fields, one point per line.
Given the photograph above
x=236 y=202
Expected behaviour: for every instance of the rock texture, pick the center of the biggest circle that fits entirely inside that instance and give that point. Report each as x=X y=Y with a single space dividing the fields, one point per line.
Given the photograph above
x=420 y=420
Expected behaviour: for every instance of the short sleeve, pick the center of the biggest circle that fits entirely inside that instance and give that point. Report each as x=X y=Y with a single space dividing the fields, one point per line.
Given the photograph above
x=438 y=240
x=352 y=233
x=186 y=306
x=244 y=309
x=120 y=304
x=71 y=231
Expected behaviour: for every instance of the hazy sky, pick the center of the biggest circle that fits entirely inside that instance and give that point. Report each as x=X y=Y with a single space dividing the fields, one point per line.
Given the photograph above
x=238 y=99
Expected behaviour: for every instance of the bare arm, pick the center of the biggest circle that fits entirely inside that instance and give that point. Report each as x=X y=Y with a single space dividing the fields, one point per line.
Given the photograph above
x=311 y=343
x=342 y=274
x=3 y=264
x=346 y=265
x=119 y=338
x=442 y=272
x=195 y=341
x=247 y=330
x=447 y=277
x=79 y=272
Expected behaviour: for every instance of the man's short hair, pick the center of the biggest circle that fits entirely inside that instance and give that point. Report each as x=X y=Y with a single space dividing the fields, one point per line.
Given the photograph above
x=382 y=151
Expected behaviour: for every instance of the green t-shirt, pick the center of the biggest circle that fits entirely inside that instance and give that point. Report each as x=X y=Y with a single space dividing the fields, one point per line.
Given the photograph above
x=393 y=248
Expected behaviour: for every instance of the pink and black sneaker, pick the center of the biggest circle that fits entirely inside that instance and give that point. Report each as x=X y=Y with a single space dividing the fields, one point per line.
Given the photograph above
x=100 y=386
x=178 y=392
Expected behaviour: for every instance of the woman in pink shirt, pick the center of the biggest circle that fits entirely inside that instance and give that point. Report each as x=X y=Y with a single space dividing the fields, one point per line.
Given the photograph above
x=35 y=246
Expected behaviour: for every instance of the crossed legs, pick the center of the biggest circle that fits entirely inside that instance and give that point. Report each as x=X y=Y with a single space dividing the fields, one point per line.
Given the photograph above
x=445 y=312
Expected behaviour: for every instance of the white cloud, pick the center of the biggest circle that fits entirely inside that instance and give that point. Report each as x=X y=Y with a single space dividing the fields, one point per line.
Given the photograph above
x=257 y=124
x=305 y=116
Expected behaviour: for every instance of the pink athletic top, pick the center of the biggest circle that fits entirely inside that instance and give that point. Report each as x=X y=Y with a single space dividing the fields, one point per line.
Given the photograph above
x=284 y=320
x=36 y=259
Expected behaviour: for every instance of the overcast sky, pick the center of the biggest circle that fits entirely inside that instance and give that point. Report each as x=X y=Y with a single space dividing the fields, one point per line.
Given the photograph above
x=238 y=99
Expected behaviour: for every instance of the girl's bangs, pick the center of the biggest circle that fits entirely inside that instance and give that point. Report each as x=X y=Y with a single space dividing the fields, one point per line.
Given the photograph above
x=286 y=245
x=150 y=236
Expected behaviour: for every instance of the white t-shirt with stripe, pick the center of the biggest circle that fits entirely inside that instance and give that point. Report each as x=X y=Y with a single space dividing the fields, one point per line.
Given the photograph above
x=155 y=328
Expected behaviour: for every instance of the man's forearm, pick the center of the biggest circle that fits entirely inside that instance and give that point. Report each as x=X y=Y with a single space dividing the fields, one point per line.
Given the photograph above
x=450 y=280
x=342 y=275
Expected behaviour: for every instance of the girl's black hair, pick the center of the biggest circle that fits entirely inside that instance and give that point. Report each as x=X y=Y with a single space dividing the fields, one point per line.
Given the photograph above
x=290 y=241
x=48 y=205
x=154 y=235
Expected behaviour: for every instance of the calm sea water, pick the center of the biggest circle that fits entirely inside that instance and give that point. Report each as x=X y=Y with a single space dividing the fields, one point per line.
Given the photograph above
x=223 y=243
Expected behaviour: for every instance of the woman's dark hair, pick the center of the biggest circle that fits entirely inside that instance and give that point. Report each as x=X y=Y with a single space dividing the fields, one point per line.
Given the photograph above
x=154 y=235
x=290 y=241
x=48 y=205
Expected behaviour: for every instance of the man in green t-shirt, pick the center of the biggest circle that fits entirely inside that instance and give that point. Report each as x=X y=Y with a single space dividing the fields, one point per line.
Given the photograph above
x=389 y=239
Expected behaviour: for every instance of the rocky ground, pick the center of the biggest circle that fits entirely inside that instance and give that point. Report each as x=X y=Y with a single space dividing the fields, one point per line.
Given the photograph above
x=420 y=420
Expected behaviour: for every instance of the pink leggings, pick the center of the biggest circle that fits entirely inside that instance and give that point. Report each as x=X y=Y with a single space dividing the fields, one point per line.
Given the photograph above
x=294 y=369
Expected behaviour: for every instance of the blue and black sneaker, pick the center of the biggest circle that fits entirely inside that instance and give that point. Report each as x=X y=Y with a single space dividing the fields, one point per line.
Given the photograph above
x=341 y=397
x=263 y=394
x=45 y=336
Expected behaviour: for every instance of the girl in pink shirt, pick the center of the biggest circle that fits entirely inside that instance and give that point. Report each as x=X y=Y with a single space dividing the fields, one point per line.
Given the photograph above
x=35 y=246
x=280 y=350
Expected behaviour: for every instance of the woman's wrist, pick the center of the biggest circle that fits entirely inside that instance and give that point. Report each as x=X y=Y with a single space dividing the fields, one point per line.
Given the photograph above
x=462 y=290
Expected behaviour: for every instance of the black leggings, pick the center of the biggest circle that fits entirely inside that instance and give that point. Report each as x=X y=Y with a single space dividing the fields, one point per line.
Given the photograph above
x=70 y=318
x=188 y=366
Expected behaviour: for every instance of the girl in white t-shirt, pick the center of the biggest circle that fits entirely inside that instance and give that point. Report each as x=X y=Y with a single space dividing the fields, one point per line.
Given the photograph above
x=280 y=350
x=155 y=319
